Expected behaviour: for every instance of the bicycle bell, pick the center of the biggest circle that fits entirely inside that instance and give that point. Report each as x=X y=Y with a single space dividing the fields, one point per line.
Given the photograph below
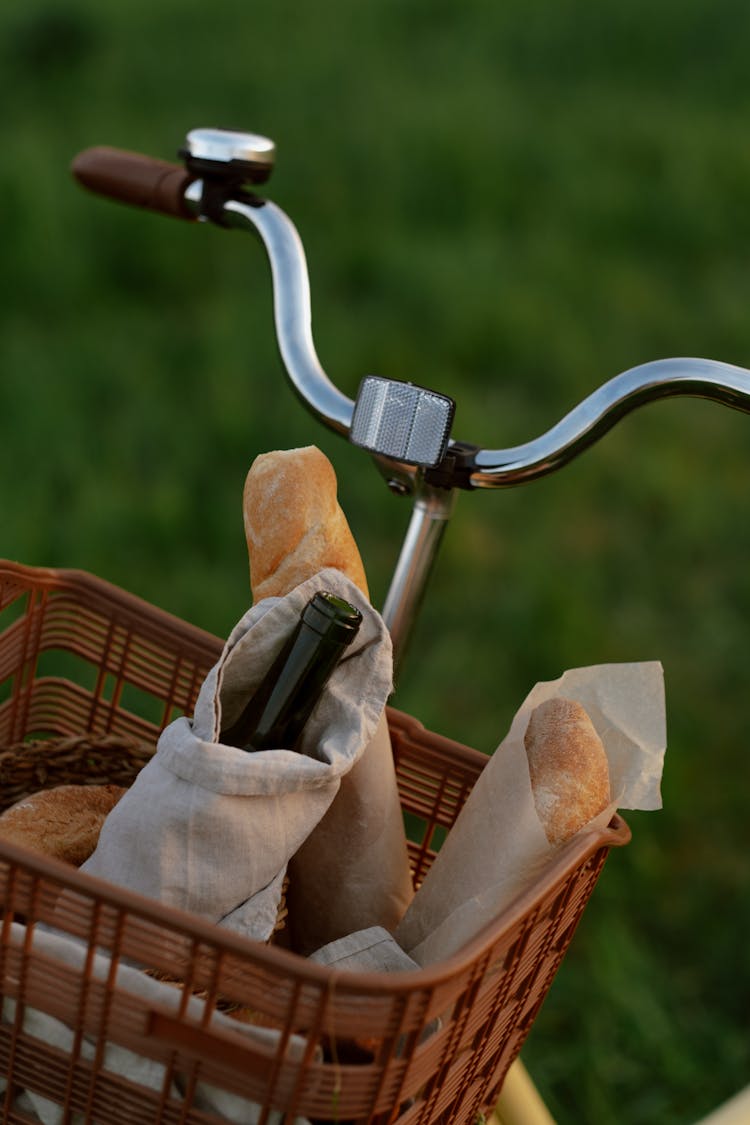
x=225 y=162
x=226 y=154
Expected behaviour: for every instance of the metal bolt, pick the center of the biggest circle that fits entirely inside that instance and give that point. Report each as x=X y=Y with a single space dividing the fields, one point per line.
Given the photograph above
x=398 y=487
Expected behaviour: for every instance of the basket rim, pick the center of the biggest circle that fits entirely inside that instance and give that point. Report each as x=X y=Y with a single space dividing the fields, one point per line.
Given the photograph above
x=569 y=857
x=103 y=591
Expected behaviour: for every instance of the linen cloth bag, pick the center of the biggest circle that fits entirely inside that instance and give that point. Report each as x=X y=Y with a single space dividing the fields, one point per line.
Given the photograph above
x=210 y=828
x=372 y=950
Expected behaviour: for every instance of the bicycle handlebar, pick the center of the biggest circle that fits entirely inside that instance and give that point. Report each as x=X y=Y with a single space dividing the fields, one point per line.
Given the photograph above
x=292 y=312
x=170 y=189
x=598 y=413
x=214 y=188
x=482 y=468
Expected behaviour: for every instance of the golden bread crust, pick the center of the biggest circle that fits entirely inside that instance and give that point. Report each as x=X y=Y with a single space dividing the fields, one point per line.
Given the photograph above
x=568 y=767
x=294 y=525
x=63 y=822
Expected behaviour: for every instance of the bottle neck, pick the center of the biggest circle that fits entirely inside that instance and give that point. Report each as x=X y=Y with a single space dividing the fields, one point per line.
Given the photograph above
x=277 y=712
x=307 y=669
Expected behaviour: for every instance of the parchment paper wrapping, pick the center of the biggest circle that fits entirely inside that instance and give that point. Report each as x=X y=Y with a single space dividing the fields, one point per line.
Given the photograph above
x=352 y=872
x=497 y=846
x=209 y=828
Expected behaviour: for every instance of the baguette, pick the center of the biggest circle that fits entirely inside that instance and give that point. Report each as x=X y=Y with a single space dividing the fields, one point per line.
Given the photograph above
x=568 y=768
x=352 y=872
x=294 y=525
x=63 y=822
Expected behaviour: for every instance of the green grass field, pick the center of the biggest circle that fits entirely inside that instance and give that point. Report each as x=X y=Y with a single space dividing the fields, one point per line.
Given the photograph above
x=510 y=203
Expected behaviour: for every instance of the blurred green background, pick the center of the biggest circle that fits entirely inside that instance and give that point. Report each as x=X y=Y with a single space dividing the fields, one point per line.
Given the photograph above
x=510 y=203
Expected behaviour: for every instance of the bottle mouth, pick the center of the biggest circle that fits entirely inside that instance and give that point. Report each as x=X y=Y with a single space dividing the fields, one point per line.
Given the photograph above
x=332 y=616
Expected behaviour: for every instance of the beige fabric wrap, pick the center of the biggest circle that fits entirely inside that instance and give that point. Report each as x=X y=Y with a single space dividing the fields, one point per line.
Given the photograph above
x=352 y=872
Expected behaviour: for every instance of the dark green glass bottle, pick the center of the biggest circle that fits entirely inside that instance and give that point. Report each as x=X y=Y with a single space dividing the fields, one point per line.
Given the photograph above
x=286 y=696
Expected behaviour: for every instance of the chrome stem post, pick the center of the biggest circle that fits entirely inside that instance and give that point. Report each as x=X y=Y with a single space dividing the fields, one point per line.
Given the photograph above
x=431 y=512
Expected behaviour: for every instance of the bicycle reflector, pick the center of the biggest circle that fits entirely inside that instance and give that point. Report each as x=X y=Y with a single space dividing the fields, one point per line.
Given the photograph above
x=402 y=421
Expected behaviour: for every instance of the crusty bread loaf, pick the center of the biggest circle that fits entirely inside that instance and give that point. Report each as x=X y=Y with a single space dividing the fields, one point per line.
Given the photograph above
x=352 y=872
x=63 y=822
x=568 y=767
x=293 y=523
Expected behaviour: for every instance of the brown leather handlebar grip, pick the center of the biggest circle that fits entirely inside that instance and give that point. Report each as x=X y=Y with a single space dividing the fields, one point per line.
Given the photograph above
x=132 y=178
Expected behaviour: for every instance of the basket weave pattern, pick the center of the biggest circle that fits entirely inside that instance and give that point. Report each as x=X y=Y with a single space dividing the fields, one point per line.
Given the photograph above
x=88 y=676
x=89 y=759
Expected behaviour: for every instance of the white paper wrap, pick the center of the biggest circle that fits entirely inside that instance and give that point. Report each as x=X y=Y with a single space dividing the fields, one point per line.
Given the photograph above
x=497 y=846
x=209 y=828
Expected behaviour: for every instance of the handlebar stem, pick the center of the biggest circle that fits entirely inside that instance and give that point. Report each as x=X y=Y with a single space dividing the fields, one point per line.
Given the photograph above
x=432 y=509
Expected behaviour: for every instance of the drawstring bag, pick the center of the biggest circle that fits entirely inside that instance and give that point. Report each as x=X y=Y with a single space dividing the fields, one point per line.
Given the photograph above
x=209 y=828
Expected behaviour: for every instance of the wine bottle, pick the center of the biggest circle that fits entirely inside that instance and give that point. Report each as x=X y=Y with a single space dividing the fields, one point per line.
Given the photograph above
x=276 y=714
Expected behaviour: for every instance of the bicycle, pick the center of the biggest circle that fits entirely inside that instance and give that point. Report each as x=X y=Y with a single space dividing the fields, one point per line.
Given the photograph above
x=421 y=460
x=426 y=463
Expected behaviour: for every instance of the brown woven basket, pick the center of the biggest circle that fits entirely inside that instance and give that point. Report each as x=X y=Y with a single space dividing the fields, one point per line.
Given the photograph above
x=86 y=759
x=89 y=674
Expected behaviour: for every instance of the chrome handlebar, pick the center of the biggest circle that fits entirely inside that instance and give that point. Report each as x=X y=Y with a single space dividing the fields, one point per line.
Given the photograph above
x=481 y=468
x=291 y=300
x=217 y=185
x=585 y=424
x=598 y=413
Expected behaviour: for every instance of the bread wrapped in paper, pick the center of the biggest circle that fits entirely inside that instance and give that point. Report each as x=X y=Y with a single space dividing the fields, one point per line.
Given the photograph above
x=578 y=748
x=568 y=767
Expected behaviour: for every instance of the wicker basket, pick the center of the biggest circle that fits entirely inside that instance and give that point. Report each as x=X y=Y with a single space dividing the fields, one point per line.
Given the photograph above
x=88 y=676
